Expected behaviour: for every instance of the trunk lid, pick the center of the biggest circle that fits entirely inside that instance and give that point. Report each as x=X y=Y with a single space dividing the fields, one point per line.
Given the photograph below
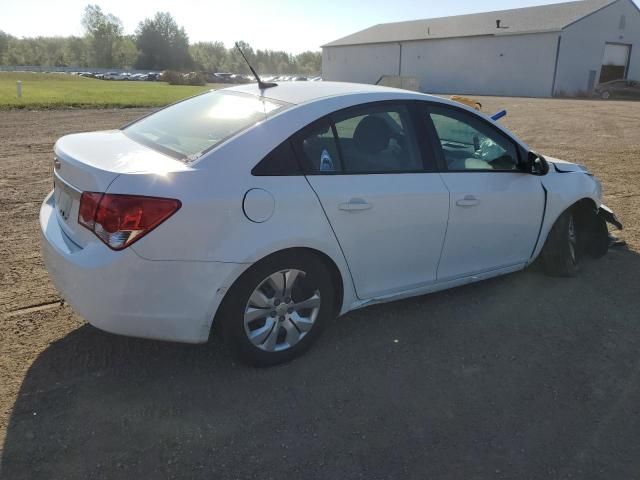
x=90 y=162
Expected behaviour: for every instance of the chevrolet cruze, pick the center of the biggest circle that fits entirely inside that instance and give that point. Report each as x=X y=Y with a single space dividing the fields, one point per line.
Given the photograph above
x=269 y=211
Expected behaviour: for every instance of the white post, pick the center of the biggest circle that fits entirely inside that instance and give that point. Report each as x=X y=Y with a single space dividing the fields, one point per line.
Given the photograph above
x=19 y=88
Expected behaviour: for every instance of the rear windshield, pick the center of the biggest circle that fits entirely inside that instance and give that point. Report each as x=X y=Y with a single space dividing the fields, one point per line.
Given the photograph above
x=188 y=129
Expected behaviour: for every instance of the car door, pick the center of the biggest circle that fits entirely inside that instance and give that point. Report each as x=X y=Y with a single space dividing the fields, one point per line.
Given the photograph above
x=495 y=208
x=386 y=203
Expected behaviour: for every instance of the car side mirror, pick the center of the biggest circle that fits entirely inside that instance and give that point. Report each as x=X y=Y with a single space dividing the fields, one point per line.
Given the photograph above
x=536 y=164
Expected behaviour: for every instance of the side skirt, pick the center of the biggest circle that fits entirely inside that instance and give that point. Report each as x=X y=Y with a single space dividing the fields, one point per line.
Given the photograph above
x=438 y=286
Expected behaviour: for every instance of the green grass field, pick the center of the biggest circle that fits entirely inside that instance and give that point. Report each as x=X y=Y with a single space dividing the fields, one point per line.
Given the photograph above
x=55 y=90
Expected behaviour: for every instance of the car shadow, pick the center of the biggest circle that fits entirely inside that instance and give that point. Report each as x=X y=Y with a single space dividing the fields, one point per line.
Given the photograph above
x=523 y=376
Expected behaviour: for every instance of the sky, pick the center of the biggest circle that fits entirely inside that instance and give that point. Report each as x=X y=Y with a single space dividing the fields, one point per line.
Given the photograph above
x=290 y=25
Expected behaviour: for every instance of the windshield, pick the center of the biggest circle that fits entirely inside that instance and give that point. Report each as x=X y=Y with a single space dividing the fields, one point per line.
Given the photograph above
x=188 y=129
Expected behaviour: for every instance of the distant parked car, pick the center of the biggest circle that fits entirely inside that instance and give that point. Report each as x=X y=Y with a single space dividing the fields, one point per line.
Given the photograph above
x=618 y=89
x=238 y=78
x=152 y=77
x=223 y=77
x=115 y=76
x=209 y=77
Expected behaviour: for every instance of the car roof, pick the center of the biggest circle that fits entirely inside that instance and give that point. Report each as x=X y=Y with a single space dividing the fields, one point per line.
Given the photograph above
x=303 y=92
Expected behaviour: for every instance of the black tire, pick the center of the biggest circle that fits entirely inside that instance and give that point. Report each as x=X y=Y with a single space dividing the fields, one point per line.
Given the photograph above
x=232 y=313
x=597 y=236
x=560 y=255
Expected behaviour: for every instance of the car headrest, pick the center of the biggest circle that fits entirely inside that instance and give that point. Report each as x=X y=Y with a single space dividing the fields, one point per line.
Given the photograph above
x=372 y=135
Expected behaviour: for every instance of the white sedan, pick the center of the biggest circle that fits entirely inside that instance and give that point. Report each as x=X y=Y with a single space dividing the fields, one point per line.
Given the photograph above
x=269 y=212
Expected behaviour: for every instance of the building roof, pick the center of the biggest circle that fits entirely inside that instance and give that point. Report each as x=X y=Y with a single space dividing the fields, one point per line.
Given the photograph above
x=544 y=18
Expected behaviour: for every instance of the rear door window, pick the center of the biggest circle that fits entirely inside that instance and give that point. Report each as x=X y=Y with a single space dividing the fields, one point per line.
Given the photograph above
x=378 y=139
x=368 y=139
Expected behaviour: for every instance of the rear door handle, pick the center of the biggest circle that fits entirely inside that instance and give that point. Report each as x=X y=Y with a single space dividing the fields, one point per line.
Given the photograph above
x=468 y=201
x=355 y=205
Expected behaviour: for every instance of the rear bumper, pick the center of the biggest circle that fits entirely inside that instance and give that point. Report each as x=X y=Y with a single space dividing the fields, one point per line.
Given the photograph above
x=122 y=293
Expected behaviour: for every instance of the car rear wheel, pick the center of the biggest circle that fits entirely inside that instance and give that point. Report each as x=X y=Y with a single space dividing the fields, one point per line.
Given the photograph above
x=278 y=308
x=561 y=253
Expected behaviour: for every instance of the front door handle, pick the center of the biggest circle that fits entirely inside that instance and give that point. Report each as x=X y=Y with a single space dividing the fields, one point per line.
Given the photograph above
x=468 y=201
x=355 y=205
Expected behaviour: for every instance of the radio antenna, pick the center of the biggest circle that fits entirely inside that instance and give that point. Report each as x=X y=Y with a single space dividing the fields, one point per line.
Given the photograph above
x=261 y=85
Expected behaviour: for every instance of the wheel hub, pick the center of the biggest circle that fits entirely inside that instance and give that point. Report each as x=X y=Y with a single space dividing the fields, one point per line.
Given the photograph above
x=282 y=310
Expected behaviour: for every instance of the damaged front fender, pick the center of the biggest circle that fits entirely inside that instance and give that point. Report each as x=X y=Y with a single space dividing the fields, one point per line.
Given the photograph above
x=598 y=239
x=608 y=216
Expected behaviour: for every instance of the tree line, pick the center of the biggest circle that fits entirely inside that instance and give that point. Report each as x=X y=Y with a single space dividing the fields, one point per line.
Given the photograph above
x=158 y=43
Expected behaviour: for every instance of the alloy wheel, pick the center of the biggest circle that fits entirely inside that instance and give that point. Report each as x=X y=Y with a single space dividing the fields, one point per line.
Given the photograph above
x=281 y=310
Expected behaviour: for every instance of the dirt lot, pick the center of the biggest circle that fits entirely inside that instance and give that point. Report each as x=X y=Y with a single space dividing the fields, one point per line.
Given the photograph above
x=519 y=377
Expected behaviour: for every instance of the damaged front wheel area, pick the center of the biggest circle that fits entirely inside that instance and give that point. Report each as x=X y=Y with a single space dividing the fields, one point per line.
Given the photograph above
x=596 y=234
x=581 y=230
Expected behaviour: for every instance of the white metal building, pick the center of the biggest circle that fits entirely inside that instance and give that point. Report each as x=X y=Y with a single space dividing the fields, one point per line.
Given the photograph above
x=561 y=49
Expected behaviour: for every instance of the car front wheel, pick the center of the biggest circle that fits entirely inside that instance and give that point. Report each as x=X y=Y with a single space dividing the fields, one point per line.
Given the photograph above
x=278 y=308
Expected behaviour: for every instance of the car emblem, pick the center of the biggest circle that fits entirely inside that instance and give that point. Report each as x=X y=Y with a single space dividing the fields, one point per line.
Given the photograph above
x=56 y=164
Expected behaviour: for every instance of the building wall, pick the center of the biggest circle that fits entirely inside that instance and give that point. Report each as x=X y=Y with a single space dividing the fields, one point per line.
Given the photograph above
x=582 y=46
x=511 y=65
x=360 y=63
x=517 y=65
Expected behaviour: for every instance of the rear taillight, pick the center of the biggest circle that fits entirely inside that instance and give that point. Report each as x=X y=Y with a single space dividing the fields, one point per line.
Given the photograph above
x=120 y=220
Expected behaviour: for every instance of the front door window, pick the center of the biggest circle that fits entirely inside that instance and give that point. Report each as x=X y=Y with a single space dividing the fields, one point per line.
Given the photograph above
x=469 y=144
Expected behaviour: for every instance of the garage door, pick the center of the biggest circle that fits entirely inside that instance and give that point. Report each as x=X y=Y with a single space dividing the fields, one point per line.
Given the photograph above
x=615 y=62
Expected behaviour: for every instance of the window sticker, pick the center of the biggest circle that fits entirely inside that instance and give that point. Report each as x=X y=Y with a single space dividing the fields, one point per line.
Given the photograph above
x=326 y=163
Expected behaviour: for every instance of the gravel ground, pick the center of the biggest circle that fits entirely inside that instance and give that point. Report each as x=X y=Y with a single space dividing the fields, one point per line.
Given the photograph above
x=522 y=376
